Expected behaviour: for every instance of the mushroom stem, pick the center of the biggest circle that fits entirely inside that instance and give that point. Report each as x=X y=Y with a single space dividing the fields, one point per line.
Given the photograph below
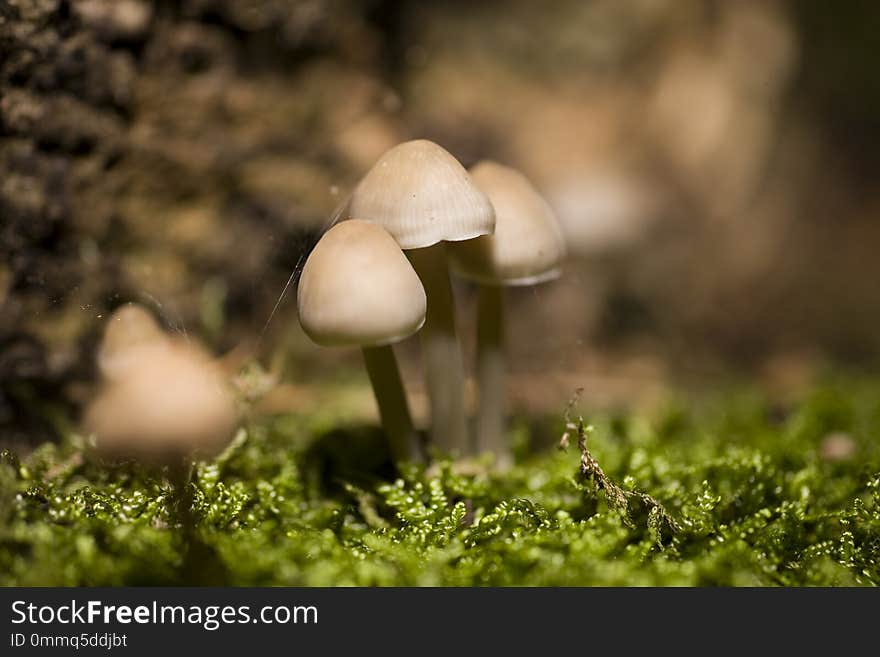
x=491 y=374
x=180 y=474
x=444 y=368
x=391 y=399
x=199 y=565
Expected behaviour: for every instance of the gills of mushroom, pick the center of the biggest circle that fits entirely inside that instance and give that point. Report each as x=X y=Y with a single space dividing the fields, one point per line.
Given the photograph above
x=358 y=289
x=527 y=248
x=425 y=198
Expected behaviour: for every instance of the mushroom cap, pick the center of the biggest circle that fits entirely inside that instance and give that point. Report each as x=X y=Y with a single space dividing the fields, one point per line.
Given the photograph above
x=172 y=401
x=358 y=289
x=128 y=327
x=422 y=195
x=528 y=245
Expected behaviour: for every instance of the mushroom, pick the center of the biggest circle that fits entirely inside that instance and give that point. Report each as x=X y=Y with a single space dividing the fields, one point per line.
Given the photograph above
x=424 y=197
x=173 y=403
x=358 y=289
x=527 y=248
x=129 y=326
x=162 y=401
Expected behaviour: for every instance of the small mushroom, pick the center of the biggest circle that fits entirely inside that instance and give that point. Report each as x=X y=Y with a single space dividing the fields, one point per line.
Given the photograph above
x=161 y=400
x=527 y=248
x=173 y=403
x=130 y=326
x=358 y=289
x=424 y=197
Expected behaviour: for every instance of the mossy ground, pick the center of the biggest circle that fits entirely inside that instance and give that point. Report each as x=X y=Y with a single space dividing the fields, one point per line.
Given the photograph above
x=294 y=503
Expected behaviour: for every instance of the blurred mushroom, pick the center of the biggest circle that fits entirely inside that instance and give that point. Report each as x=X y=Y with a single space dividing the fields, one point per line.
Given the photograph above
x=130 y=326
x=837 y=447
x=172 y=403
x=604 y=210
x=527 y=248
x=358 y=289
x=162 y=400
x=423 y=197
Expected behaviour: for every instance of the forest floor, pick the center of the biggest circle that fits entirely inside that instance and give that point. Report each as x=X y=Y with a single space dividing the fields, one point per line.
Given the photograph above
x=728 y=490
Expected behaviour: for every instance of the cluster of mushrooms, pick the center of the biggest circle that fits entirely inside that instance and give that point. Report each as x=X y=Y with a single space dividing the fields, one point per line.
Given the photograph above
x=373 y=279
x=383 y=274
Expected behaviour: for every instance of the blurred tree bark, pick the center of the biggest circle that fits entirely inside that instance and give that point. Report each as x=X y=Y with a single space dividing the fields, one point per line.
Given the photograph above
x=147 y=148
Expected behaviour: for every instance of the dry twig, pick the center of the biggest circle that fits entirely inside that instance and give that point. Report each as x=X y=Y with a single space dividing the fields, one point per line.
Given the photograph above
x=618 y=498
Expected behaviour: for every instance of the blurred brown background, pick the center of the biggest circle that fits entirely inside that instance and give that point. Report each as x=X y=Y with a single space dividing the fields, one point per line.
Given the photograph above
x=713 y=163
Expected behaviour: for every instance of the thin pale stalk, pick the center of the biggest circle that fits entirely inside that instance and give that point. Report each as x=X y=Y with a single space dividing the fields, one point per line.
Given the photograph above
x=492 y=375
x=391 y=400
x=441 y=352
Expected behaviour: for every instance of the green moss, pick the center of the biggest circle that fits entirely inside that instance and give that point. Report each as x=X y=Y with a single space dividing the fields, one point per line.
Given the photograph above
x=733 y=491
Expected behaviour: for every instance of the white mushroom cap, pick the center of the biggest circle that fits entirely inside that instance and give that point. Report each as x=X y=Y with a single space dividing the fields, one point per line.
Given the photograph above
x=358 y=289
x=422 y=195
x=172 y=401
x=129 y=326
x=528 y=245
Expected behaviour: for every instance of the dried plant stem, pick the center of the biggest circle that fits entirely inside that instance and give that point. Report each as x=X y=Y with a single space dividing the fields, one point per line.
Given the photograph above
x=618 y=498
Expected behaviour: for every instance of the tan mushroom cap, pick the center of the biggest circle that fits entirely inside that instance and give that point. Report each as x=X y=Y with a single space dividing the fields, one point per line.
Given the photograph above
x=358 y=289
x=172 y=401
x=129 y=326
x=422 y=195
x=528 y=245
